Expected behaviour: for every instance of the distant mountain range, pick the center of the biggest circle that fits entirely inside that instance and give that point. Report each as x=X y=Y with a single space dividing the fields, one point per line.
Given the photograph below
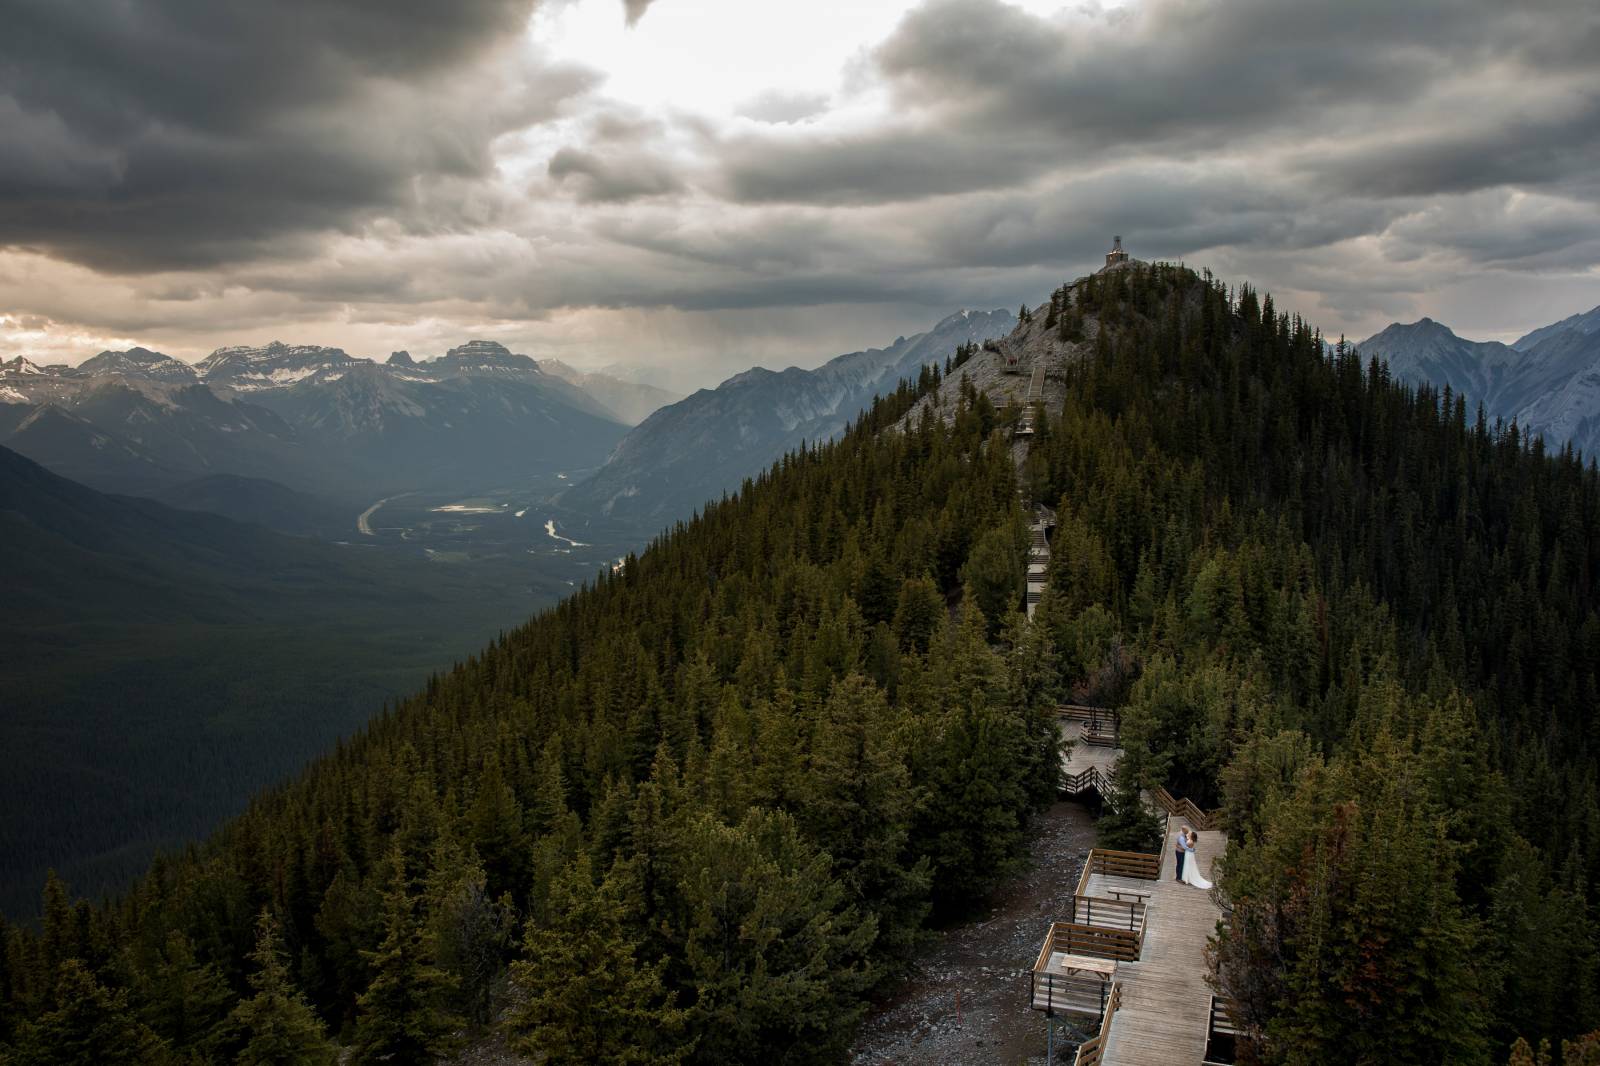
x=630 y=401
x=705 y=445
x=1548 y=381
x=315 y=419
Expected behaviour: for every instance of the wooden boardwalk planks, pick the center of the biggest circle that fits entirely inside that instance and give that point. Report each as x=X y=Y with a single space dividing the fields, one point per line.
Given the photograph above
x=1082 y=756
x=1165 y=1000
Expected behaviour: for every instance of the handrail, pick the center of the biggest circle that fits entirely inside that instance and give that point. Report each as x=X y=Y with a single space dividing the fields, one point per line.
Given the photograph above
x=1101 y=725
x=1084 y=780
x=1124 y=864
x=1222 y=1016
x=1093 y=1050
x=1095 y=941
x=1204 y=821
x=1112 y=913
x=1221 y=1034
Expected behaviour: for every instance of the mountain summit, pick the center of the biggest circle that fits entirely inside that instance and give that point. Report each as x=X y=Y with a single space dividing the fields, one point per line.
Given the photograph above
x=137 y=363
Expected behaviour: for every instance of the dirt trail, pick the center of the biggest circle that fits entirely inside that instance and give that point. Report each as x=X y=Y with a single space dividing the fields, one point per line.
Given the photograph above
x=985 y=964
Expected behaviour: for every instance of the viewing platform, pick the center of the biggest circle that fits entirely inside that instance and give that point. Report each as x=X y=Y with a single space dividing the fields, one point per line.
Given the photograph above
x=1089 y=761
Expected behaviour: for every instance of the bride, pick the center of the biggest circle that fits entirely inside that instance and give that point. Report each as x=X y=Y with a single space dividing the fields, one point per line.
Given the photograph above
x=1191 y=866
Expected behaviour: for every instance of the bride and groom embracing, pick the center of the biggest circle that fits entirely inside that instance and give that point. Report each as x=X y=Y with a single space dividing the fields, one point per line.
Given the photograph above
x=1188 y=861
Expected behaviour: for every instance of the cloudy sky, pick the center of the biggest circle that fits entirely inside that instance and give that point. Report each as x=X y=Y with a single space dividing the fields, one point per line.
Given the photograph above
x=700 y=185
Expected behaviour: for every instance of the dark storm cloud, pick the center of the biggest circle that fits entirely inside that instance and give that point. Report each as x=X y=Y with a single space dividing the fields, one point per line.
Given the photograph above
x=615 y=178
x=371 y=162
x=1550 y=146
x=179 y=133
x=1503 y=229
x=874 y=167
x=990 y=96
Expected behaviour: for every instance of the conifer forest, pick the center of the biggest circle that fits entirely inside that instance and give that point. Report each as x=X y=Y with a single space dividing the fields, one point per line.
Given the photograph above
x=711 y=806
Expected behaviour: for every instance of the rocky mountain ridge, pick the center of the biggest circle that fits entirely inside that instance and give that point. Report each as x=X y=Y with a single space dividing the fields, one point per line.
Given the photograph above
x=312 y=417
x=707 y=444
x=1547 y=381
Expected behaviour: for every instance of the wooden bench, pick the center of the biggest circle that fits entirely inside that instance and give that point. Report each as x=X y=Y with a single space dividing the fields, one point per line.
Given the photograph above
x=1071 y=984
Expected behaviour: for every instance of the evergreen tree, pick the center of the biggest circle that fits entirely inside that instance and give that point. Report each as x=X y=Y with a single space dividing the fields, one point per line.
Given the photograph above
x=469 y=932
x=404 y=1019
x=275 y=1026
x=86 y=1024
x=585 y=994
x=918 y=614
x=1348 y=940
x=185 y=1002
x=995 y=570
x=775 y=952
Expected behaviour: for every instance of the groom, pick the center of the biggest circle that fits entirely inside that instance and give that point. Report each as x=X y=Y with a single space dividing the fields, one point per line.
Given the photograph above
x=1180 y=845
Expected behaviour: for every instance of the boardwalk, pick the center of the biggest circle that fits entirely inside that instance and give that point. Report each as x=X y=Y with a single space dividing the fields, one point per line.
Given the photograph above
x=1163 y=1005
x=1165 y=1012
x=1036 y=385
x=1038 y=562
x=1130 y=952
x=1035 y=396
x=1081 y=755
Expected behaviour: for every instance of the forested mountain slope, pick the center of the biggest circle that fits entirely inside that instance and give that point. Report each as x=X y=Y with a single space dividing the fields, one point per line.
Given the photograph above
x=157 y=666
x=699 y=810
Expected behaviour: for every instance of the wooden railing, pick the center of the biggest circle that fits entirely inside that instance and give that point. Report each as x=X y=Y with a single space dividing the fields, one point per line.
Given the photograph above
x=1186 y=811
x=1097 y=942
x=1093 y=1050
x=1092 y=778
x=1101 y=725
x=1222 y=1037
x=1109 y=913
x=1077 y=992
x=1101 y=737
x=1075 y=967
x=1082 y=713
x=1120 y=864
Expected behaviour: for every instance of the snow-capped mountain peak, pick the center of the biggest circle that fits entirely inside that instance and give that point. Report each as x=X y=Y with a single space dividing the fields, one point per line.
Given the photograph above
x=244 y=368
x=21 y=366
x=484 y=357
x=136 y=363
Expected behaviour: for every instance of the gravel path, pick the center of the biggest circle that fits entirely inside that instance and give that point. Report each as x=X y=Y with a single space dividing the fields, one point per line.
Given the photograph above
x=981 y=969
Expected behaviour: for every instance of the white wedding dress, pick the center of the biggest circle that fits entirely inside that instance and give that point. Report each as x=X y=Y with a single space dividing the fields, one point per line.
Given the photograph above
x=1191 y=872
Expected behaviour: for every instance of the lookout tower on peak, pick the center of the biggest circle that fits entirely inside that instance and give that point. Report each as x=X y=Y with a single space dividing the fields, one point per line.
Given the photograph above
x=1116 y=257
